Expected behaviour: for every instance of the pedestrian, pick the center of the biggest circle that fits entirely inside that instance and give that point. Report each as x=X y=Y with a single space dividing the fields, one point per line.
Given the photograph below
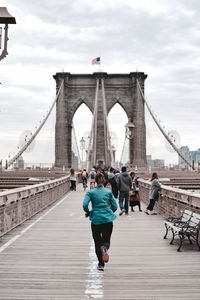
x=105 y=173
x=92 y=177
x=113 y=182
x=103 y=206
x=134 y=196
x=124 y=183
x=84 y=176
x=72 y=179
x=153 y=194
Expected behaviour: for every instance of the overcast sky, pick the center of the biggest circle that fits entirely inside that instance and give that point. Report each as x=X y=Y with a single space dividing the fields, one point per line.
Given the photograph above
x=160 y=38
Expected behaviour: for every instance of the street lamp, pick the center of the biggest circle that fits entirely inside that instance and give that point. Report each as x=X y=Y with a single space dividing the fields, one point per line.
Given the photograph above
x=129 y=127
x=82 y=147
x=5 y=18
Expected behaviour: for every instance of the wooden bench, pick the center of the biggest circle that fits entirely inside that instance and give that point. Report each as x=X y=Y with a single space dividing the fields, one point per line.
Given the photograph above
x=187 y=225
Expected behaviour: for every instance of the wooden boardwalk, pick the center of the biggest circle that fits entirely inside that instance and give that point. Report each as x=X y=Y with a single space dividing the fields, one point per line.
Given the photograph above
x=52 y=256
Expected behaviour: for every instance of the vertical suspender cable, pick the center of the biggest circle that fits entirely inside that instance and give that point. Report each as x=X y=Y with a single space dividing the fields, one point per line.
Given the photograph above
x=162 y=131
x=75 y=140
x=123 y=150
x=21 y=151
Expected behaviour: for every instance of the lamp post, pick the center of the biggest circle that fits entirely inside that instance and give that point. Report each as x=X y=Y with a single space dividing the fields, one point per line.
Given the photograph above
x=129 y=131
x=5 y=18
x=82 y=147
x=129 y=128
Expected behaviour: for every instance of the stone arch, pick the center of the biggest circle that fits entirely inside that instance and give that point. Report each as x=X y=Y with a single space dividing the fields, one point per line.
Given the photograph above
x=81 y=88
x=117 y=100
x=78 y=104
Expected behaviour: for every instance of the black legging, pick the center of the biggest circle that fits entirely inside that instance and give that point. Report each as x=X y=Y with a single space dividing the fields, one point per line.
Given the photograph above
x=151 y=204
x=73 y=185
x=101 y=234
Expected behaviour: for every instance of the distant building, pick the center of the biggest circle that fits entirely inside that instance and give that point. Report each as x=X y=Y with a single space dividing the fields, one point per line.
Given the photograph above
x=155 y=163
x=195 y=156
x=19 y=163
x=192 y=156
x=185 y=151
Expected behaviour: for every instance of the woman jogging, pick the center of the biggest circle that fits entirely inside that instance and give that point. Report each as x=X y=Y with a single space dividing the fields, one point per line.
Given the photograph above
x=103 y=206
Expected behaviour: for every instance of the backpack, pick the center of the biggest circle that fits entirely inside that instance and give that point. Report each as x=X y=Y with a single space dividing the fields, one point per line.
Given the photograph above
x=84 y=174
x=92 y=175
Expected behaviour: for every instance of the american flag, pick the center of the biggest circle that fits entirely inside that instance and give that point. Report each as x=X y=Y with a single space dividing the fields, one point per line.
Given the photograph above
x=96 y=61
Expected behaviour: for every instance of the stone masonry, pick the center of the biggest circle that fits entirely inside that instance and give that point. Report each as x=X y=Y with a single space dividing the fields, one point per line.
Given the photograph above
x=81 y=88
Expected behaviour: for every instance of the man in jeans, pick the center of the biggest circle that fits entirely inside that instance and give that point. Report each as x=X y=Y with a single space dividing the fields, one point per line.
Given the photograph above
x=124 y=183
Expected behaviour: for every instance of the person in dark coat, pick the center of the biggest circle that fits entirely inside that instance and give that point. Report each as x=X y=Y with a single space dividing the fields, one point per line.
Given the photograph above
x=113 y=182
x=124 y=183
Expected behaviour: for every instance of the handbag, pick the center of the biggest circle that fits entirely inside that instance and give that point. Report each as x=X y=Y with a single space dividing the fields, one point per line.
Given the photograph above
x=131 y=192
x=134 y=197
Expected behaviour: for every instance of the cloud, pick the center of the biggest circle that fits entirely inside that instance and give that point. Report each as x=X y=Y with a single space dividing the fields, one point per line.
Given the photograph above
x=158 y=37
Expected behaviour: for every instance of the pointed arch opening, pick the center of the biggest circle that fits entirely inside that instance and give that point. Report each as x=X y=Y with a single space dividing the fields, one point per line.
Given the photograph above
x=117 y=119
x=82 y=121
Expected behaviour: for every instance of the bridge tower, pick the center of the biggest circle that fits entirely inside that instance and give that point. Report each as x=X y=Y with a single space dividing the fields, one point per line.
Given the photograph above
x=100 y=92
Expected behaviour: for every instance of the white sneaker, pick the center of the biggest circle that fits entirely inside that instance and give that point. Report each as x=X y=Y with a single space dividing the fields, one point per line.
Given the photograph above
x=100 y=268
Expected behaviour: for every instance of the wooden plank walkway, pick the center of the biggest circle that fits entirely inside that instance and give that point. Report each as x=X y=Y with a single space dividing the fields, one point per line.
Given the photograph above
x=52 y=256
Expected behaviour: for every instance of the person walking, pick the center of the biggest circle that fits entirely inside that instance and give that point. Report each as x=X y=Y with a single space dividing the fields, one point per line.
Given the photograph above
x=134 y=197
x=84 y=176
x=72 y=179
x=124 y=183
x=153 y=194
x=92 y=177
x=103 y=206
x=113 y=182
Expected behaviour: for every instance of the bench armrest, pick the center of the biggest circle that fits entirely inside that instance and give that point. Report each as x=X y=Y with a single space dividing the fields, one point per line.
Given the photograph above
x=181 y=223
x=171 y=219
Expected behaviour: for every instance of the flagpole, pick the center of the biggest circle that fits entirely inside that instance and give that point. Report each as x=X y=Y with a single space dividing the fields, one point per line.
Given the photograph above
x=100 y=62
x=96 y=61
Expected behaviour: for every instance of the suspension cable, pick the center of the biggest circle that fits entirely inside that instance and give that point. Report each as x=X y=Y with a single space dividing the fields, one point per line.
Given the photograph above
x=21 y=151
x=162 y=131
x=123 y=151
x=75 y=141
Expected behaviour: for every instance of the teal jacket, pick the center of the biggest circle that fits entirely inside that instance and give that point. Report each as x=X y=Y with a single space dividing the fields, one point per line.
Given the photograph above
x=103 y=205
